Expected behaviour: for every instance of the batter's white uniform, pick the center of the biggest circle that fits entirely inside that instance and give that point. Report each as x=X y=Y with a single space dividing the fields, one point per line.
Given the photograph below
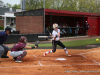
x=54 y=33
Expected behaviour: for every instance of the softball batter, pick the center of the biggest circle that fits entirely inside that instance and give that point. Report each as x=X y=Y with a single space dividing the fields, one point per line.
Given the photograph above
x=56 y=41
x=17 y=51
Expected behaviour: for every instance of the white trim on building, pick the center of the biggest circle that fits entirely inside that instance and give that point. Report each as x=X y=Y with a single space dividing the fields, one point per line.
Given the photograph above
x=8 y=19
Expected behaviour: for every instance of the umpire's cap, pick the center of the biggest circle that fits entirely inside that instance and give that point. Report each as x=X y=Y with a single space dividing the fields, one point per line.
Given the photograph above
x=8 y=28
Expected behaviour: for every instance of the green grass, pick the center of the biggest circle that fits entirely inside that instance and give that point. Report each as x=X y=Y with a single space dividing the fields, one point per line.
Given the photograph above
x=73 y=43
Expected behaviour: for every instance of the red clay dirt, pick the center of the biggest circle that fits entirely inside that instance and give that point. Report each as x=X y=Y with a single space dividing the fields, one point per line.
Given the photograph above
x=82 y=62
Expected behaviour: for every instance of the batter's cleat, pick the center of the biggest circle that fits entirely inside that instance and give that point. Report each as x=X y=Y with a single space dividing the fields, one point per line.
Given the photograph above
x=18 y=61
x=44 y=54
x=68 y=55
x=0 y=61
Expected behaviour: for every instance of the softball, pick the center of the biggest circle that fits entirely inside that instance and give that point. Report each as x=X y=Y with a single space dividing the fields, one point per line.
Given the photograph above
x=97 y=39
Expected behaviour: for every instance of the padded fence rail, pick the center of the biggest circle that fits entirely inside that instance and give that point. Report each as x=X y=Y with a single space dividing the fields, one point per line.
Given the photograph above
x=14 y=38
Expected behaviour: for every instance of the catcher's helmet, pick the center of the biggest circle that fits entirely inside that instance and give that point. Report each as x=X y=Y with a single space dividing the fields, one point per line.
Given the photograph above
x=55 y=25
x=22 y=39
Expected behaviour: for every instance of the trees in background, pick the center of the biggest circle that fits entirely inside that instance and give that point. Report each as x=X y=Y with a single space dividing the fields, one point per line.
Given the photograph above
x=16 y=6
x=32 y=4
x=69 y=5
x=7 y=5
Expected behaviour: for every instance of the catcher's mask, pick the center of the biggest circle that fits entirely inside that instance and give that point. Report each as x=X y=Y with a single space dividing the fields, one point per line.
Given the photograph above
x=23 y=39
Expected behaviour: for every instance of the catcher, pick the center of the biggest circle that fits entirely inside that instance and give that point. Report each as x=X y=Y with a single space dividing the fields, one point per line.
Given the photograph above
x=56 y=41
x=17 y=51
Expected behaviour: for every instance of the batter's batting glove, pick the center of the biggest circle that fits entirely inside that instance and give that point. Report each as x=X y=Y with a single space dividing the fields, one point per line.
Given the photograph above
x=56 y=36
x=36 y=43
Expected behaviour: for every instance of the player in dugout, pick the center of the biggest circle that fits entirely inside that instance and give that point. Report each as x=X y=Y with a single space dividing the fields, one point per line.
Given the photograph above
x=17 y=51
x=56 y=41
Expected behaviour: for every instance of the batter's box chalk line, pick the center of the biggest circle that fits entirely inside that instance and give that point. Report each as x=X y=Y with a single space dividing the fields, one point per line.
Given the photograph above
x=49 y=65
x=40 y=63
x=96 y=62
x=88 y=52
x=34 y=56
x=81 y=55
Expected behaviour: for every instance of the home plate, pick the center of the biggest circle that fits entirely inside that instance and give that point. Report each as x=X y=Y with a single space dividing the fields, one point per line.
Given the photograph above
x=60 y=59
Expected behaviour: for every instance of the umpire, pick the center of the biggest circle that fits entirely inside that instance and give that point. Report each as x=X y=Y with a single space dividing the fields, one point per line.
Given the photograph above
x=3 y=36
x=47 y=32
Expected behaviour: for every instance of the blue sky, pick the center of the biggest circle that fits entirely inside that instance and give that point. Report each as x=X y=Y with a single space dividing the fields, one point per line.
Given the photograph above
x=12 y=2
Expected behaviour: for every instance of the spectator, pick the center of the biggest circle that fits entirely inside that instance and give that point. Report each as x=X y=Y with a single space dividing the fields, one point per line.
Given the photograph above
x=47 y=32
x=66 y=25
x=60 y=24
x=77 y=28
x=87 y=26
x=63 y=30
x=67 y=30
x=70 y=31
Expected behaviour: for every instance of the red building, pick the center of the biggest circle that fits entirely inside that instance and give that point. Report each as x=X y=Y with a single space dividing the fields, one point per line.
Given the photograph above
x=32 y=22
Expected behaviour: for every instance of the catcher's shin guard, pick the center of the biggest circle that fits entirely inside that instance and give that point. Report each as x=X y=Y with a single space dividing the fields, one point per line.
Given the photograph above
x=22 y=55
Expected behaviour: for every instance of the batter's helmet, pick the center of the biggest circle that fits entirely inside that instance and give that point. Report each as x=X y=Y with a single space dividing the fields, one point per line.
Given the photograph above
x=22 y=39
x=55 y=25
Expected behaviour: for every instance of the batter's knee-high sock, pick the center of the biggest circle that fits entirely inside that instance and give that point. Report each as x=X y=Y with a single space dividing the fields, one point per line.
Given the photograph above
x=48 y=52
x=22 y=55
x=65 y=50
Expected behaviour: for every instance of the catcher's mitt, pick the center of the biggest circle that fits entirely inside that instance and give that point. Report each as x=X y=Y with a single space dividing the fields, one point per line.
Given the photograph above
x=36 y=43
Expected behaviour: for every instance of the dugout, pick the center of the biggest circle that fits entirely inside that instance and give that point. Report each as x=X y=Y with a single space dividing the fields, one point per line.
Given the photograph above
x=32 y=21
x=71 y=18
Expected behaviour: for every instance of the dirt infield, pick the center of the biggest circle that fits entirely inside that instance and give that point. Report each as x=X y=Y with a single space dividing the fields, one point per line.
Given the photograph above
x=82 y=62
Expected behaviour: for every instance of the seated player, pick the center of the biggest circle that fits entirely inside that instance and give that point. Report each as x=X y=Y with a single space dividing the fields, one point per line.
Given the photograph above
x=56 y=41
x=17 y=51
